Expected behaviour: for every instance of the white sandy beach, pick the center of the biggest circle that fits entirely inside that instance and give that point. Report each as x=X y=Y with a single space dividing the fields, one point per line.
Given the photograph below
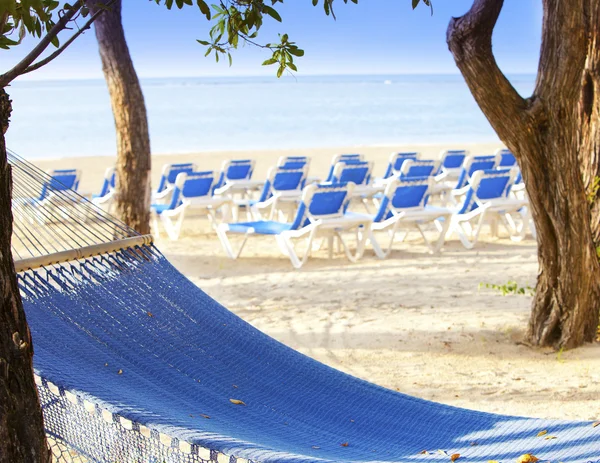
x=416 y=322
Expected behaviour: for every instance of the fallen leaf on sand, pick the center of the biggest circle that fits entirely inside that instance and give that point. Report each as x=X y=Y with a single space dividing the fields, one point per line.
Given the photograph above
x=236 y=402
x=550 y=437
x=423 y=452
x=541 y=433
x=493 y=461
x=454 y=456
x=527 y=458
x=596 y=424
x=205 y=416
x=344 y=444
x=120 y=372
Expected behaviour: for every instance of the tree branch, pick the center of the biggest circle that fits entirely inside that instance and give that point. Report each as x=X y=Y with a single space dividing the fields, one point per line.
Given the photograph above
x=85 y=27
x=469 y=39
x=16 y=71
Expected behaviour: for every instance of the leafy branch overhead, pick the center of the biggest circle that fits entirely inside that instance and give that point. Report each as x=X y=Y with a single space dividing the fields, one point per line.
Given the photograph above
x=234 y=22
x=239 y=21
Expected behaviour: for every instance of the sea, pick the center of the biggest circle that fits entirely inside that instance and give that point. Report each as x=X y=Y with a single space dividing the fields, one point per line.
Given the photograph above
x=67 y=118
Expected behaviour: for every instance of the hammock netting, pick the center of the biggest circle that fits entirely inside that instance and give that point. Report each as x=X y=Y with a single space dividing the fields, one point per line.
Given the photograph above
x=136 y=364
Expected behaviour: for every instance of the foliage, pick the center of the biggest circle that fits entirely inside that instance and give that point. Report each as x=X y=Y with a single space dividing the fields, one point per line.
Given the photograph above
x=234 y=22
x=511 y=287
x=593 y=190
x=239 y=21
x=34 y=17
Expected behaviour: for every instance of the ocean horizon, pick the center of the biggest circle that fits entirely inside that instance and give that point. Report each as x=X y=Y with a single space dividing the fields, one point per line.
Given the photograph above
x=71 y=118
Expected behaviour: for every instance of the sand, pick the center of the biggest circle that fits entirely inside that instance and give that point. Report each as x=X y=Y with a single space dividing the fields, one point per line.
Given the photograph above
x=417 y=323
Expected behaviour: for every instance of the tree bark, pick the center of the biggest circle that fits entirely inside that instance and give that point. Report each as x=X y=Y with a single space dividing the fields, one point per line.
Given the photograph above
x=555 y=136
x=22 y=437
x=131 y=122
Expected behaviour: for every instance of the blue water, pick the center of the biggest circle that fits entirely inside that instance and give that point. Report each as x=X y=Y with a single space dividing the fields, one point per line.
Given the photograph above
x=73 y=118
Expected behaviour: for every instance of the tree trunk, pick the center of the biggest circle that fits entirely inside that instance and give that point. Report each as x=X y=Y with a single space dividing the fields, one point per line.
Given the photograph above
x=129 y=110
x=555 y=135
x=22 y=437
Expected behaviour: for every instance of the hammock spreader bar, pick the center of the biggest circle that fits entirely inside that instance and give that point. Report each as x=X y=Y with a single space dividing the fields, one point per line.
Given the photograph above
x=31 y=263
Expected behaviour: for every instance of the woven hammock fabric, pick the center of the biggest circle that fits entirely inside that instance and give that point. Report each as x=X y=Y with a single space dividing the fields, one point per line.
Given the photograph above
x=129 y=333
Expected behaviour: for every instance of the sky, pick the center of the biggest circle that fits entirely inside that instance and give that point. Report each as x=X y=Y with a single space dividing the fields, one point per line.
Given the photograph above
x=373 y=37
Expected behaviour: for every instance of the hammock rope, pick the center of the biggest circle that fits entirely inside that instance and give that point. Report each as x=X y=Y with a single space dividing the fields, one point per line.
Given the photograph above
x=61 y=220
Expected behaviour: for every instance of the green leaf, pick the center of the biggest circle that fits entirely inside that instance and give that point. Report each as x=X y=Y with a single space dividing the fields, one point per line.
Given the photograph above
x=269 y=62
x=204 y=8
x=272 y=12
x=415 y=3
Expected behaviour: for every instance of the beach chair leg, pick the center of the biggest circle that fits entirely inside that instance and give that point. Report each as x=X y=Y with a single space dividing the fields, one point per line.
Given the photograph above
x=403 y=235
x=179 y=225
x=226 y=244
x=494 y=227
x=212 y=217
x=466 y=233
x=442 y=228
x=226 y=211
x=431 y=247
x=366 y=202
x=361 y=243
x=360 y=246
x=288 y=249
x=376 y=247
x=517 y=233
x=477 y=230
x=330 y=243
x=462 y=236
x=169 y=227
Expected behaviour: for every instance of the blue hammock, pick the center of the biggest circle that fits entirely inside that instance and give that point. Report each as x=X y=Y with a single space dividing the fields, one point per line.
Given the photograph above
x=127 y=333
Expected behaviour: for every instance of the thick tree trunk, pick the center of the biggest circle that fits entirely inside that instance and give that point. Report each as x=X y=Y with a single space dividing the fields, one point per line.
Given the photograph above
x=555 y=136
x=129 y=110
x=22 y=437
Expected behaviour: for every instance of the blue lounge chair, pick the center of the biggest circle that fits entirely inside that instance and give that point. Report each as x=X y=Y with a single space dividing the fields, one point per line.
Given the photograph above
x=191 y=191
x=359 y=173
x=105 y=198
x=452 y=162
x=404 y=206
x=55 y=198
x=282 y=190
x=487 y=200
x=396 y=161
x=322 y=213
x=474 y=163
x=507 y=159
x=62 y=180
x=412 y=168
x=346 y=158
x=453 y=190
x=168 y=178
x=236 y=179
x=293 y=162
